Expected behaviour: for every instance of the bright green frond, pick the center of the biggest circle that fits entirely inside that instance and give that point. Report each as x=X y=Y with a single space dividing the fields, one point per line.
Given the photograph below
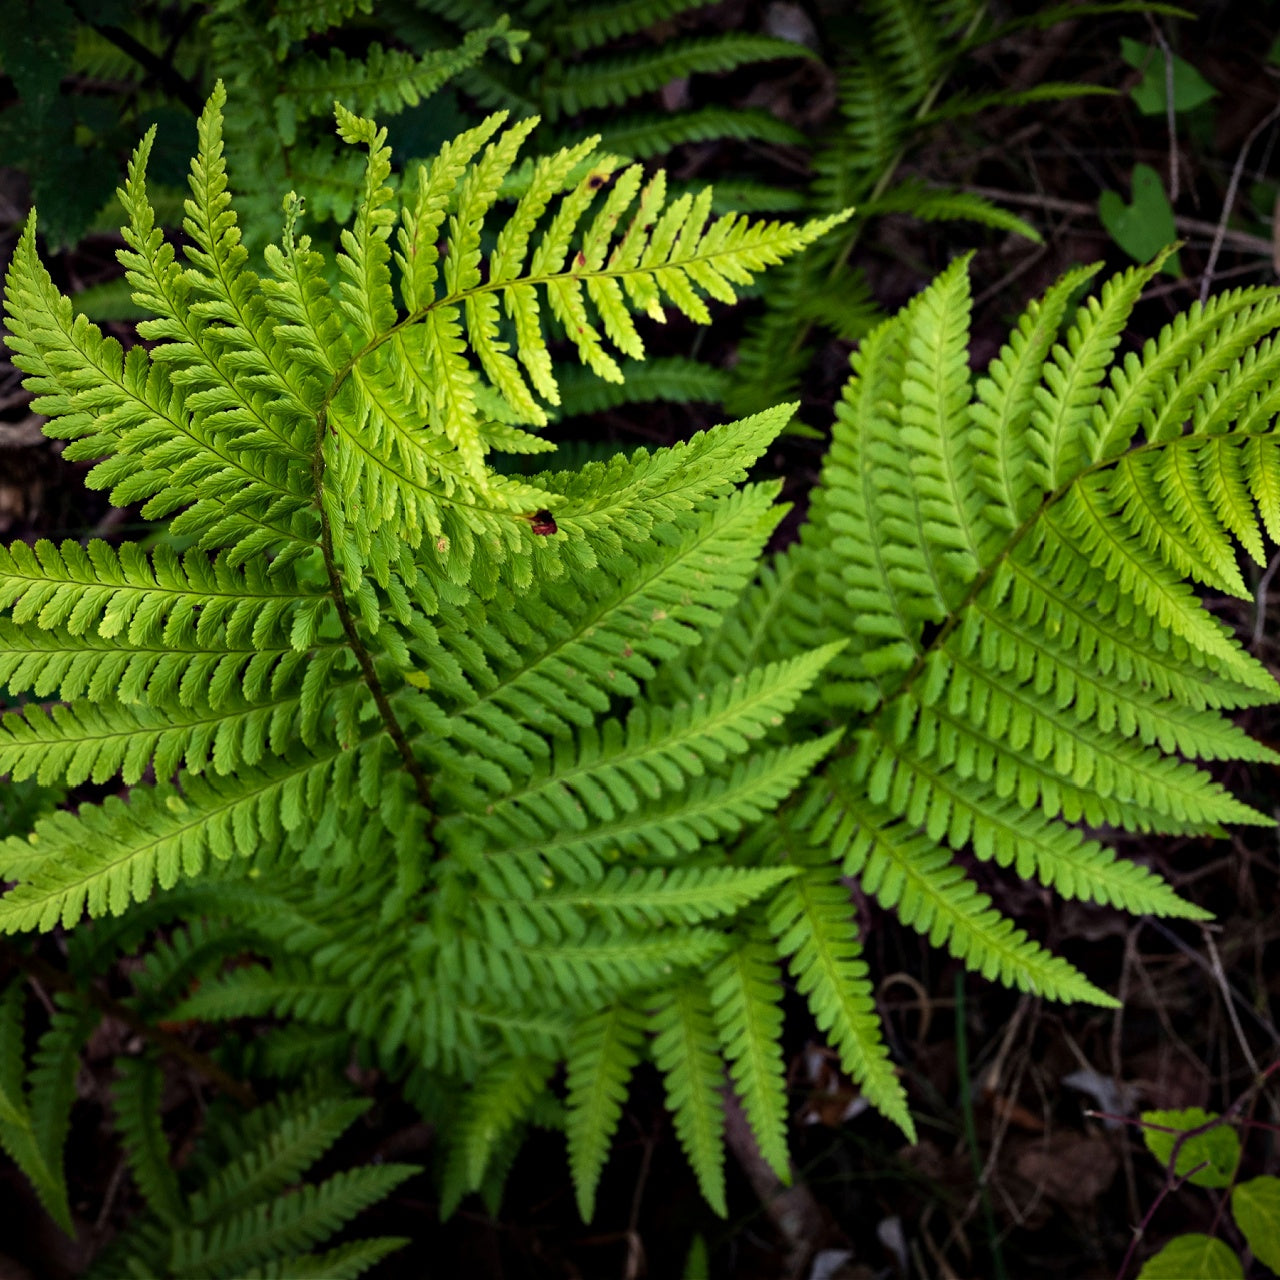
x=577 y=644
x=912 y=876
x=746 y=1005
x=811 y=920
x=1004 y=461
x=110 y=855
x=162 y=444
x=603 y=1051
x=1073 y=380
x=617 y=768
x=685 y=1051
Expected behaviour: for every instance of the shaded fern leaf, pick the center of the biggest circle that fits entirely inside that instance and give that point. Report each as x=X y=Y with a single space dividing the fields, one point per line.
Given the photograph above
x=251 y=1215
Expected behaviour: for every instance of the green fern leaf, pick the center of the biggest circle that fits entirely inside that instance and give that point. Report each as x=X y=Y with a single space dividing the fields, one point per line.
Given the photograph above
x=601 y=1056
x=684 y=1049
x=34 y=1121
x=810 y=920
x=745 y=995
x=609 y=82
x=499 y=1101
x=137 y=1107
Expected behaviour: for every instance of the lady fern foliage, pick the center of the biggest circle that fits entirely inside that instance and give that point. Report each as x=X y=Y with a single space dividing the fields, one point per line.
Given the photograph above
x=495 y=776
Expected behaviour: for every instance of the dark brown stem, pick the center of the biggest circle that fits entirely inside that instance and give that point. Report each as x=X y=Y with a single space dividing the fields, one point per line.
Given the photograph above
x=395 y=730
x=163 y=1040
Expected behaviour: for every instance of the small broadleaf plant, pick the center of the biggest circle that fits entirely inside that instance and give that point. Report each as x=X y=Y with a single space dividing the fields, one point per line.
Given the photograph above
x=494 y=776
x=1204 y=1149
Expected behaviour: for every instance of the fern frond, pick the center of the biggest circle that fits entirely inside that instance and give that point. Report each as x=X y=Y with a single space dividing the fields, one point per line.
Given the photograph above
x=957 y=106
x=35 y=1115
x=108 y=856
x=624 y=898
x=585 y=642
x=1074 y=377
x=309 y=1216
x=684 y=1049
x=1082 y=528
x=593 y=25
x=296 y=19
x=1004 y=403
x=745 y=999
x=416 y=480
x=908 y=37
x=285 y=1139
x=706 y=810
x=669 y=378
x=910 y=875
x=809 y=919
x=609 y=82
x=136 y=1102
x=383 y=81
x=580 y=970
x=499 y=1100
x=131 y=407
x=616 y=769
x=645 y=136
x=124 y=592
x=346 y=1262
x=603 y=1051
x=942 y=204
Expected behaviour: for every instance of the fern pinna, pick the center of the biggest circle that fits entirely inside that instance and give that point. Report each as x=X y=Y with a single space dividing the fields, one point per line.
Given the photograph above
x=494 y=775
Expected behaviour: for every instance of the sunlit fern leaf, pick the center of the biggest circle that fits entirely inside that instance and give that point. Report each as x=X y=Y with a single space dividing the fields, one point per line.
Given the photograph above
x=1034 y=661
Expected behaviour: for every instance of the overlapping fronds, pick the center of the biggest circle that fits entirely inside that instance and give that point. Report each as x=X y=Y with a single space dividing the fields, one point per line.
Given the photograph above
x=1006 y=564
x=606 y=60
x=251 y=1211
x=490 y=775
x=35 y=1106
x=897 y=62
